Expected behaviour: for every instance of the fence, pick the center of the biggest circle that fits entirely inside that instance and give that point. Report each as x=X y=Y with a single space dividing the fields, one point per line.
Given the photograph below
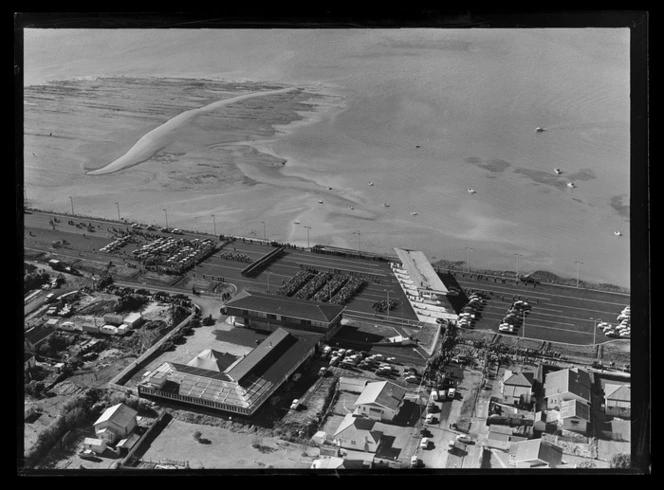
x=148 y=436
x=511 y=421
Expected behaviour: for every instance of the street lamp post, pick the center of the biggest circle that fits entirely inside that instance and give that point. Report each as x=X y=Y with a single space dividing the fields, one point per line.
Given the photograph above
x=268 y=281
x=166 y=215
x=264 y=231
x=523 y=324
x=578 y=266
x=517 y=266
x=71 y=199
x=388 y=302
x=308 y=228
x=594 y=329
x=214 y=225
x=117 y=204
x=359 y=234
x=468 y=249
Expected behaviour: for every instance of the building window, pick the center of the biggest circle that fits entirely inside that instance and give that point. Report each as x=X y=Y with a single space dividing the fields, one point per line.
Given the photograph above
x=574 y=422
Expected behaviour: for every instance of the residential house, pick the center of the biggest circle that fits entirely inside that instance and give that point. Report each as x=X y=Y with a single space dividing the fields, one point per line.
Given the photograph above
x=546 y=420
x=117 y=422
x=517 y=387
x=502 y=437
x=566 y=384
x=36 y=335
x=537 y=453
x=380 y=400
x=357 y=433
x=618 y=398
x=574 y=416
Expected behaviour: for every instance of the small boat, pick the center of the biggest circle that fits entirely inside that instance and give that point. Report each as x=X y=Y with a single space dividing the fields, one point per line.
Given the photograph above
x=557 y=170
x=386 y=205
x=571 y=185
x=617 y=233
x=352 y=208
x=539 y=130
x=371 y=183
x=471 y=191
x=320 y=202
x=413 y=213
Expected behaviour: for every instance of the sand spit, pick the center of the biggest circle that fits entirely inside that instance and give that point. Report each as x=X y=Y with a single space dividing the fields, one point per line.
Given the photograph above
x=161 y=136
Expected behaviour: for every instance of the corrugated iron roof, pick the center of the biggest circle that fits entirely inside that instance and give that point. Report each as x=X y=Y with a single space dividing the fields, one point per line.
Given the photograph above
x=119 y=414
x=574 y=408
x=383 y=393
x=576 y=381
x=538 y=449
x=619 y=393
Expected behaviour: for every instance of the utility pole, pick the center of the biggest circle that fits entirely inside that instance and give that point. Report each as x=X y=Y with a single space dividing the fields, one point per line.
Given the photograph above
x=166 y=215
x=524 y=324
x=308 y=228
x=117 y=204
x=578 y=266
x=214 y=225
x=72 y=204
x=264 y=231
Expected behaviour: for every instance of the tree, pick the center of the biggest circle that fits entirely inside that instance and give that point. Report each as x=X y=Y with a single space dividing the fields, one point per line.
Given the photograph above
x=621 y=460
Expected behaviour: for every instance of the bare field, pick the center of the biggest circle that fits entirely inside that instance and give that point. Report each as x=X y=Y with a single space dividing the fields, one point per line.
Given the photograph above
x=226 y=448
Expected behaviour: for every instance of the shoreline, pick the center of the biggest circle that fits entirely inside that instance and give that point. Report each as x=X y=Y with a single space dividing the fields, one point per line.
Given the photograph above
x=441 y=264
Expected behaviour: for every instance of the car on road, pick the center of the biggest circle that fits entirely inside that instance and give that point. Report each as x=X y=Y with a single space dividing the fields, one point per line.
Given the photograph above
x=295 y=404
x=334 y=361
x=322 y=371
x=416 y=462
x=463 y=438
x=424 y=443
x=431 y=418
x=451 y=393
x=412 y=379
x=506 y=327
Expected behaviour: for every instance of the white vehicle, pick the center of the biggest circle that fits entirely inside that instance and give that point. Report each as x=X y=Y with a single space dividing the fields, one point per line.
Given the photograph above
x=415 y=462
x=506 y=327
x=451 y=393
x=322 y=371
x=434 y=395
x=391 y=359
x=557 y=170
x=463 y=438
x=431 y=419
x=471 y=191
x=295 y=404
x=341 y=352
x=571 y=185
x=320 y=202
x=424 y=443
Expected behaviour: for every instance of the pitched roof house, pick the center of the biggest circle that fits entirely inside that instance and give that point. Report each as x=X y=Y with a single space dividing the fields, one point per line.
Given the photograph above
x=517 y=387
x=566 y=384
x=617 y=396
x=115 y=423
x=537 y=453
x=574 y=415
x=380 y=400
x=357 y=433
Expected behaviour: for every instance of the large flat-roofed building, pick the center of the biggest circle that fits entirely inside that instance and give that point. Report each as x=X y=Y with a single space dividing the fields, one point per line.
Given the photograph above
x=243 y=386
x=261 y=311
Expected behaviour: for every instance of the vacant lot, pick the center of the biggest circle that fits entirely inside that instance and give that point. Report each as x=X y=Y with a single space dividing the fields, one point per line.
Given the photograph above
x=225 y=449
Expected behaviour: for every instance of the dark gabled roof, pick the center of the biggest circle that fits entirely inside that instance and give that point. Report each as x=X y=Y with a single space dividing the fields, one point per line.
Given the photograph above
x=272 y=357
x=37 y=334
x=519 y=379
x=576 y=381
x=285 y=306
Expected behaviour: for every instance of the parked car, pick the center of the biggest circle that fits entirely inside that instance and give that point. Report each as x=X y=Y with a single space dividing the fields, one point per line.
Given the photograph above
x=451 y=393
x=322 y=371
x=463 y=438
x=415 y=462
x=424 y=443
x=295 y=404
x=411 y=379
x=431 y=418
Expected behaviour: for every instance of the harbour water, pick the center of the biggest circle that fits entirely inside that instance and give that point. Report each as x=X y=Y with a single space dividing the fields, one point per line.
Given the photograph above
x=424 y=115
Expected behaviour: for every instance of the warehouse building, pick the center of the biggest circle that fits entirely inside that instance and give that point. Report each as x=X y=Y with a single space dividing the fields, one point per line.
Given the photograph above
x=215 y=381
x=268 y=312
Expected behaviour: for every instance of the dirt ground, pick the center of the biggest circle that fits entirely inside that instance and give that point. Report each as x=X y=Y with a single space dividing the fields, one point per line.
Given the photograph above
x=226 y=449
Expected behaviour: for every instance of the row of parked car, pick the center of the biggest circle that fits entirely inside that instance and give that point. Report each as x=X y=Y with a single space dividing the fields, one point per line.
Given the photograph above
x=472 y=311
x=621 y=330
x=514 y=316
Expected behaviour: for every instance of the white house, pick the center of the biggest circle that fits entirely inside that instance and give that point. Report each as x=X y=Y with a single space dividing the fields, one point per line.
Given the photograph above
x=357 y=433
x=517 y=387
x=134 y=320
x=380 y=400
x=116 y=423
x=574 y=416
